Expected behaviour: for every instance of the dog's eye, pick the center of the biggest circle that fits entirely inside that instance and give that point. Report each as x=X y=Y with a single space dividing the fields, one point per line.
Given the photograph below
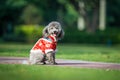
x=56 y=27
x=51 y=27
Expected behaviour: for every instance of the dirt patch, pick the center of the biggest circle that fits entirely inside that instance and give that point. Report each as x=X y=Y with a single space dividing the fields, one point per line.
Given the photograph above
x=64 y=62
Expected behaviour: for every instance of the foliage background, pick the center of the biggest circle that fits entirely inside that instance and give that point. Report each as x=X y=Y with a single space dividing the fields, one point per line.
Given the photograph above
x=18 y=13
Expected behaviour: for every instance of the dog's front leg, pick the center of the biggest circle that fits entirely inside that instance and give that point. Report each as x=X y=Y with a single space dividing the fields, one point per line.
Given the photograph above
x=51 y=57
x=54 y=57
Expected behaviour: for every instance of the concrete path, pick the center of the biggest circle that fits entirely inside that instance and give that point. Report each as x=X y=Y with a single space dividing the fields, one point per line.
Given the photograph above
x=64 y=62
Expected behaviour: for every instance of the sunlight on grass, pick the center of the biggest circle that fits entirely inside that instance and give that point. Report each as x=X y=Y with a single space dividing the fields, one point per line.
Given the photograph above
x=37 y=72
x=68 y=51
x=89 y=52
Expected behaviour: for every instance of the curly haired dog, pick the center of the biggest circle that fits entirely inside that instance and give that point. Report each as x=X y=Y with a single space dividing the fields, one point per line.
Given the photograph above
x=45 y=47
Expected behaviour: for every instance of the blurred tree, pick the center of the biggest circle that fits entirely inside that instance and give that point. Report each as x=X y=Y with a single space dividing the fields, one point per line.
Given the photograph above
x=66 y=11
x=69 y=12
x=71 y=15
x=32 y=15
x=2 y=15
x=102 y=15
x=10 y=11
x=89 y=12
x=15 y=4
x=113 y=13
x=81 y=20
x=49 y=9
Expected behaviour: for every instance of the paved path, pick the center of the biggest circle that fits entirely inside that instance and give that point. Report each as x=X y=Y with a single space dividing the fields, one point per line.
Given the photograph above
x=64 y=62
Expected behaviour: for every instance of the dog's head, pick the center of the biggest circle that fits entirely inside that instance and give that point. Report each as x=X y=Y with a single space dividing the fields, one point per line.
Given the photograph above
x=53 y=28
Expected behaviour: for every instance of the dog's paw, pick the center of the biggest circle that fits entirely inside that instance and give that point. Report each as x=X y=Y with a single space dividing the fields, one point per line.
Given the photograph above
x=54 y=63
x=41 y=63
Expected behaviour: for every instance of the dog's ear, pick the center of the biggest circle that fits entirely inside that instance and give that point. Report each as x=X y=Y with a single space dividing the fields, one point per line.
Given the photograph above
x=45 y=32
x=61 y=34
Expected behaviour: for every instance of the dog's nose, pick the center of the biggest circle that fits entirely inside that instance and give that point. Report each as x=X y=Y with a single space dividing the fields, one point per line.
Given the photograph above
x=55 y=32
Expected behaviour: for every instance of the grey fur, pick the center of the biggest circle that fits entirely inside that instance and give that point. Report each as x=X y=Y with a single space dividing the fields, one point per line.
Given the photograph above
x=60 y=34
x=46 y=30
x=39 y=57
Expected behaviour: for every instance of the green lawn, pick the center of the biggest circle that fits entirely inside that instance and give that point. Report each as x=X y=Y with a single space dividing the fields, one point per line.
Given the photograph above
x=90 y=52
x=37 y=72
x=66 y=51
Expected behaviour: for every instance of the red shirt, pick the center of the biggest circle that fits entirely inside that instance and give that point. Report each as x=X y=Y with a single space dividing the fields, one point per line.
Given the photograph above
x=46 y=44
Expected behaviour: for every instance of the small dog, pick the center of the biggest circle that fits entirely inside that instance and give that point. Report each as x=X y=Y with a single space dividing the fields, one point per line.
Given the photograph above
x=45 y=47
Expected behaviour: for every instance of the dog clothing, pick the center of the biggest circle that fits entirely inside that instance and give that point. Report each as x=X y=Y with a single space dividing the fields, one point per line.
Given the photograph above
x=46 y=44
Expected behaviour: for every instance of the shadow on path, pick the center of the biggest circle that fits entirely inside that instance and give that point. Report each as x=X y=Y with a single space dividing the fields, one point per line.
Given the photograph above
x=64 y=63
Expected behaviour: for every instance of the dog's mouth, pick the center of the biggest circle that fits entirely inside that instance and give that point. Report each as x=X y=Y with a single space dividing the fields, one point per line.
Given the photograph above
x=55 y=32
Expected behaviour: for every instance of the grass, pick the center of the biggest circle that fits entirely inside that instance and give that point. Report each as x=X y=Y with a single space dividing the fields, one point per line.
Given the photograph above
x=66 y=51
x=35 y=72
x=90 y=52
x=13 y=49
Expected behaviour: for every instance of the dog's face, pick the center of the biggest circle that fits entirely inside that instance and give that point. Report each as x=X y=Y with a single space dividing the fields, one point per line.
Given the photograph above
x=54 y=28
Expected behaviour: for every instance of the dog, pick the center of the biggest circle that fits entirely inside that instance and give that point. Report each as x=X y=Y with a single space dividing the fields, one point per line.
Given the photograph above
x=45 y=47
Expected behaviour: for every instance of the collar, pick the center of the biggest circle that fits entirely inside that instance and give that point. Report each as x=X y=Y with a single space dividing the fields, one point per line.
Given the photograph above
x=53 y=38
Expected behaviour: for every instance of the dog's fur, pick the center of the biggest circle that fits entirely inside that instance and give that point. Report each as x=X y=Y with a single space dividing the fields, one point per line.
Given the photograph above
x=47 y=30
x=37 y=56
